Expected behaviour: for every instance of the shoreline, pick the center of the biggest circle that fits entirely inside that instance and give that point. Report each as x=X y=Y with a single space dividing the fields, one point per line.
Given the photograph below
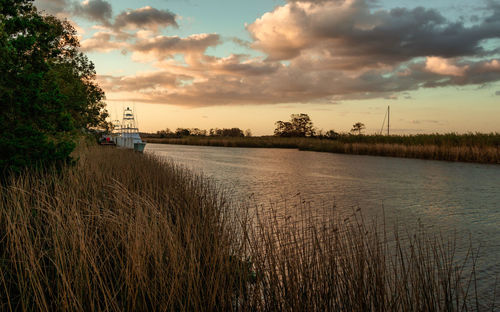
x=154 y=236
x=485 y=154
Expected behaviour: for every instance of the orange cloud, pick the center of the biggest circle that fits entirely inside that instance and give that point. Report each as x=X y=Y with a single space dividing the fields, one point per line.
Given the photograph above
x=442 y=66
x=166 y=46
x=102 y=41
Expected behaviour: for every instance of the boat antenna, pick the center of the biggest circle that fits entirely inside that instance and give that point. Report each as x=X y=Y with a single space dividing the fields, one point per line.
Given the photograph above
x=135 y=116
x=383 y=123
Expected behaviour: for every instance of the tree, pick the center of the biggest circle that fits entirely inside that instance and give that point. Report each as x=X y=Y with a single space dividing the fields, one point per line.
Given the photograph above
x=358 y=127
x=232 y=132
x=300 y=125
x=180 y=132
x=165 y=133
x=331 y=134
x=283 y=129
x=197 y=132
x=47 y=88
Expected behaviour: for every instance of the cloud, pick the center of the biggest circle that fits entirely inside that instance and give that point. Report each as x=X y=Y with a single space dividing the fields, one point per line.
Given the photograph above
x=142 y=82
x=493 y=65
x=428 y=121
x=94 y=10
x=474 y=73
x=129 y=31
x=443 y=66
x=214 y=83
x=350 y=32
x=146 y=17
x=52 y=6
x=148 y=47
x=101 y=11
x=167 y=46
x=314 y=52
x=101 y=42
x=238 y=65
x=241 y=42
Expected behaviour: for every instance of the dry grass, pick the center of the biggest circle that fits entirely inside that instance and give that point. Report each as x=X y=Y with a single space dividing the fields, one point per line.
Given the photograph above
x=125 y=231
x=348 y=266
x=481 y=148
x=120 y=231
x=480 y=154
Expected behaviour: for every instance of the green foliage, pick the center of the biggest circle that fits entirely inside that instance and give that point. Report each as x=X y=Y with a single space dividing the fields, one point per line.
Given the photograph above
x=47 y=89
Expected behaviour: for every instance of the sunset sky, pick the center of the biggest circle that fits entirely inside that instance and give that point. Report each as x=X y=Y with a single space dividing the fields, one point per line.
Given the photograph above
x=247 y=64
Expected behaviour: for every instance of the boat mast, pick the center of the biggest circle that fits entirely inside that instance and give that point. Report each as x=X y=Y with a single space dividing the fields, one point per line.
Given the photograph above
x=388 y=118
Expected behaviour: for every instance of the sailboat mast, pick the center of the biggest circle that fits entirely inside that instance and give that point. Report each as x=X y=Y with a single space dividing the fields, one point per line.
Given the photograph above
x=388 y=117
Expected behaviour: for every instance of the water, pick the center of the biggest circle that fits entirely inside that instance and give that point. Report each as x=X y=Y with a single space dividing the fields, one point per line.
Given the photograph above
x=459 y=199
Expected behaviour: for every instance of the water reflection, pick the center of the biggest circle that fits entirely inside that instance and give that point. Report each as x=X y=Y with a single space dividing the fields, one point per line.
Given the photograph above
x=445 y=197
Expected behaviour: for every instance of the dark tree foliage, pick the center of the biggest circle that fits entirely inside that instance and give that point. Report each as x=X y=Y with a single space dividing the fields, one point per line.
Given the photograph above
x=226 y=132
x=180 y=132
x=47 y=89
x=230 y=132
x=358 y=127
x=300 y=125
x=332 y=134
x=167 y=133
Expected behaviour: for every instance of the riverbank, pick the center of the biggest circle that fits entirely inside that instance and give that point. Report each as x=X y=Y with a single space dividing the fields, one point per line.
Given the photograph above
x=126 y=231
x=480 y=148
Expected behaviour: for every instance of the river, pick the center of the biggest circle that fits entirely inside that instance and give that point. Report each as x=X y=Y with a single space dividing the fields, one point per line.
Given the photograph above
x=452 y=199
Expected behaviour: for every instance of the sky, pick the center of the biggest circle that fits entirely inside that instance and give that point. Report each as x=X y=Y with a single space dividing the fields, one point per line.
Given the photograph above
x=247 y=64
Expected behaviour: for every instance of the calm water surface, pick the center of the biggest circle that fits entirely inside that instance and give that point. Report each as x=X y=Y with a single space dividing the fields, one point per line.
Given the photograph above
x=447 y=198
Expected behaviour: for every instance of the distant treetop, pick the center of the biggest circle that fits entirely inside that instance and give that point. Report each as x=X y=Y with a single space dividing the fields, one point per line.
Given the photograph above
x=300 y=125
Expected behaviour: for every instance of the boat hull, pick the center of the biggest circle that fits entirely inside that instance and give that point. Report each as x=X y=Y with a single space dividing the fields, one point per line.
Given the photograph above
x=130 y=141
x=139 y=147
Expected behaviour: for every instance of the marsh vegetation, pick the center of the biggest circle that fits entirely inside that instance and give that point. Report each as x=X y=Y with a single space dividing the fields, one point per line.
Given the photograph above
x=477 y=147
x=126 y=231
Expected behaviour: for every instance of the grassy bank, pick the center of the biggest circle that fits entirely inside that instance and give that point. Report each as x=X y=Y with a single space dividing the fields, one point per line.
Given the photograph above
x=482 y=148
x=126 y=231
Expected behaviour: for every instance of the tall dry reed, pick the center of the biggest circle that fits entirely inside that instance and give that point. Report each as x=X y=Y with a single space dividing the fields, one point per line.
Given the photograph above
x=119 y=231
x=481 y=148
x=346 y=265
x=124 y=231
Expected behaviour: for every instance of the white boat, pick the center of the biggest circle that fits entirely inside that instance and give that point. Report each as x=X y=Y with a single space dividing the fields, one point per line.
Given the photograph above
x=128 y=134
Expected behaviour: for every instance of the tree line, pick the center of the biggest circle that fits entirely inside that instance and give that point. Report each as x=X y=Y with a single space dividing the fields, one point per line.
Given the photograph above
x=196 y=132
x=299 y=125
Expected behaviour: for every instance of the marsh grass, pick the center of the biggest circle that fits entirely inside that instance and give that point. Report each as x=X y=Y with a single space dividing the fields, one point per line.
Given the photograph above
x=346 y=265
x=478 y=147
x=126 y=231
x=120 y=231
